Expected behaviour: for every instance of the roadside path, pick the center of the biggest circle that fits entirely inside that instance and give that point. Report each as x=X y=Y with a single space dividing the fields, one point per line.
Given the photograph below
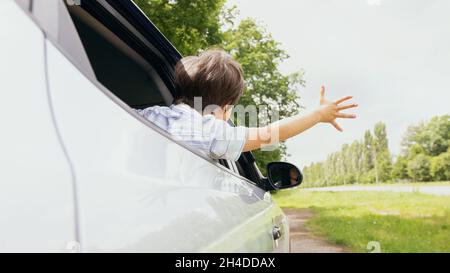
x=302 y=239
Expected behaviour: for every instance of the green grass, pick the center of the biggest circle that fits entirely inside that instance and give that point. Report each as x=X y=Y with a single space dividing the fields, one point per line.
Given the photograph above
x=400 y=222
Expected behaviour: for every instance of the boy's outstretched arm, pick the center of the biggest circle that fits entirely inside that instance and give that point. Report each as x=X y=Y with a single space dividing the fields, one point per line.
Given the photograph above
x=328 y=112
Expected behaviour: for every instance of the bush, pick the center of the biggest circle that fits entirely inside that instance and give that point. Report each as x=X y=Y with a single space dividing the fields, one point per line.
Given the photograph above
x=440 y=167
x=419 y=168
x=368 y=177
x=400 y=169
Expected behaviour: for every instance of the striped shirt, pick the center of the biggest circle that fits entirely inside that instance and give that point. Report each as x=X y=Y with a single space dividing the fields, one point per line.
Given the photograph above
x=205 y=133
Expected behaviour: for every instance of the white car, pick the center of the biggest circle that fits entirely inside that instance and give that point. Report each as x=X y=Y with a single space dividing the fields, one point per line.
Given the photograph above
x=81 y=171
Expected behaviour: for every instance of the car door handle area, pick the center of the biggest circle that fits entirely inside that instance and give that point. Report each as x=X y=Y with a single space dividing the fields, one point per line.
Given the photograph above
x=276 y=232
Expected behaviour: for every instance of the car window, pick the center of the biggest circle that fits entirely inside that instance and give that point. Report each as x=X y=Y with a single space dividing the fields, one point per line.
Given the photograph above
x=119 y=65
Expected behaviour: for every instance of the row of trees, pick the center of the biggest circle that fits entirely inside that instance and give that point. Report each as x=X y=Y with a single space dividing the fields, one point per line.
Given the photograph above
x=193 y=26
x=425 y=157
x=426 y=152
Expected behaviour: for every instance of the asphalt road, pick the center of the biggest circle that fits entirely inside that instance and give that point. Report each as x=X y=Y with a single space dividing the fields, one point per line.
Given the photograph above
x=434 y=190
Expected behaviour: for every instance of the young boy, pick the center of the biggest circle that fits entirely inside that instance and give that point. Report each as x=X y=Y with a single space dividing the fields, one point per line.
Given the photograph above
x=209 y=85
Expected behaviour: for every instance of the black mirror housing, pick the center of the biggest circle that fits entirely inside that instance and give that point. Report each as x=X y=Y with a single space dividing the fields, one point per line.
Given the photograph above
x=283 y=175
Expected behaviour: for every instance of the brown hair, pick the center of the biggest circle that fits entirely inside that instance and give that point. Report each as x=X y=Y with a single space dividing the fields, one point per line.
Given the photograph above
x=213 y=75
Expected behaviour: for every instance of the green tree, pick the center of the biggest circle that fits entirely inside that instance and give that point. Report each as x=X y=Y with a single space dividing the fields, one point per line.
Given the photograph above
x=368 y=143
x=419 y=168
x=369 y=154
x=440 y=167
x=383 y=157
x=433 y=137
x=400 y=169
x=414 y=150
x=426 y=145
x=190 y=25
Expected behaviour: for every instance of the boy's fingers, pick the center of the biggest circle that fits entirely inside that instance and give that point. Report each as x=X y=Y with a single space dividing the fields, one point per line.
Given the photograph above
x=342 y=115
x=322 y=92
x=334 y=123
x=343 y=99
x=347 y=107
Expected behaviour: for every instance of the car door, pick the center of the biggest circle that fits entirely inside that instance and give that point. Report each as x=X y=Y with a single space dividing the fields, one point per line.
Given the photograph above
x=137 y=189
x=247 y=169
x=37 y=209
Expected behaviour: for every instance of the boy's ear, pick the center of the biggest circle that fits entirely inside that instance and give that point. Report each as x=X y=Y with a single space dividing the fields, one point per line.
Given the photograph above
x=227 y=107
x=211 y=109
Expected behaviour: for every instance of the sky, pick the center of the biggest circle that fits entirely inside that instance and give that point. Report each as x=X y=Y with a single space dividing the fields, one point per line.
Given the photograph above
x=393 y=56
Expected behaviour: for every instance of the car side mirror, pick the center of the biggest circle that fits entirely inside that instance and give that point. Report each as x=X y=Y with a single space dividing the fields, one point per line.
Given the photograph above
x=283 y=175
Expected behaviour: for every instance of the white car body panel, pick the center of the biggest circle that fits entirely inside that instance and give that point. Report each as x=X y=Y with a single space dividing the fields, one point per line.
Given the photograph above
x=36 y=197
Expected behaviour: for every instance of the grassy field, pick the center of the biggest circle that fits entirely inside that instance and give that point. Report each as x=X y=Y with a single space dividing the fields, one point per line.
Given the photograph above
x=400 y=222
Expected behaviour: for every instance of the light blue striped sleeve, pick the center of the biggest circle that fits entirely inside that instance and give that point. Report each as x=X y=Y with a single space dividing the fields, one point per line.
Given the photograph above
x=227 y=142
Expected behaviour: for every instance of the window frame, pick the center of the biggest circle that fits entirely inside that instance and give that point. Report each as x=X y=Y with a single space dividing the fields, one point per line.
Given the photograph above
x=53 y=18
x=24 y=4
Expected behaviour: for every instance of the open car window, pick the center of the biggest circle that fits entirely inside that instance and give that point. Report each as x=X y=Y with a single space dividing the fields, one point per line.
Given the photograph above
x=120 y=65
x=107 y=49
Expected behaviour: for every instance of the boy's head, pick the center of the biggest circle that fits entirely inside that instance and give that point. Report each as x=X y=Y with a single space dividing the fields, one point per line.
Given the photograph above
x=213 y=75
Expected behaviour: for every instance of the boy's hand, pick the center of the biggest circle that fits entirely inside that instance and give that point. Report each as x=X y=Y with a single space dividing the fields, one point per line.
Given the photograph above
x=329 y=111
